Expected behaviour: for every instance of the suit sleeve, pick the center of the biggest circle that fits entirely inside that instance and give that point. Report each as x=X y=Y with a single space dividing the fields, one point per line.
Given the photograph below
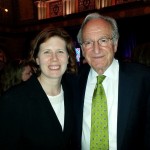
x=10 y=122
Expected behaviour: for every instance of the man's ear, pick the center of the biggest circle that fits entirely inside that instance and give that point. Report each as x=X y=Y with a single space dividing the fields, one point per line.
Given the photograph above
x=82 y=52
x=115 y=46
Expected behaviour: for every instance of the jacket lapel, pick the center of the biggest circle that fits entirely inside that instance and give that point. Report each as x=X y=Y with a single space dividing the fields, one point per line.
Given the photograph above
x=43 y=101
x=68 y=119
x=82 y=87
x=124 y=103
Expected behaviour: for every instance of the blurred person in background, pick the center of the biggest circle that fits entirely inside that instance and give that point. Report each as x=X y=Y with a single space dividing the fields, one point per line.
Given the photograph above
x=3 y=58
x=141 y=54
x=14 y=73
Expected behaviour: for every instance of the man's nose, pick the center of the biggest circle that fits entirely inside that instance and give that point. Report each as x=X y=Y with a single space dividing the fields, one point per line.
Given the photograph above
x=96 y=47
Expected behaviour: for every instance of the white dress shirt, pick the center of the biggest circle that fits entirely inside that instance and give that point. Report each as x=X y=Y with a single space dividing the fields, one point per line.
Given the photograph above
x=110 y=84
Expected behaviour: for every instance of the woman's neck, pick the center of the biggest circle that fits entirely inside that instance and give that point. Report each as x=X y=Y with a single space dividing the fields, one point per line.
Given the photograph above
x=51 y=87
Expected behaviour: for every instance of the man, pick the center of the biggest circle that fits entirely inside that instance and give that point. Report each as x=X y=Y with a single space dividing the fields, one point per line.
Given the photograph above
x=126 y=85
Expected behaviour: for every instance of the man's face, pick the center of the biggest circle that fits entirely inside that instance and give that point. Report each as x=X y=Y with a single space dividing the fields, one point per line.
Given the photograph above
x=98 y=46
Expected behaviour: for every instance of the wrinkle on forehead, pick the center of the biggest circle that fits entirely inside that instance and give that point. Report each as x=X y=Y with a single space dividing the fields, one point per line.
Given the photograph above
x=97 y=26
x=93 y=31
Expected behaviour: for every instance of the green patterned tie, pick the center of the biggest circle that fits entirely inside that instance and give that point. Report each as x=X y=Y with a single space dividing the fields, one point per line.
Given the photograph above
x=99 y=139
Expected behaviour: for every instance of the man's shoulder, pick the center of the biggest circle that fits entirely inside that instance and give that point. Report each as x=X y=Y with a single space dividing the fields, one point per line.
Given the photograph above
x=134 y=69
x=132 y=65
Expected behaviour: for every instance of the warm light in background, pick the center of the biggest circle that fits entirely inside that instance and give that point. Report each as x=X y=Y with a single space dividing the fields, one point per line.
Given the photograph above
x=6 y=10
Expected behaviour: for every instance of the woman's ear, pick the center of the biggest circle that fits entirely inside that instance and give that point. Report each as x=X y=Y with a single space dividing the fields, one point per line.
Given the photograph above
x=37 y=61
x=68 y=59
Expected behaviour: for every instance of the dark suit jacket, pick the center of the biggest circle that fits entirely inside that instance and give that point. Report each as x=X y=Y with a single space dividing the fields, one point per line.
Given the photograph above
x=133 y=123
x=28 y=121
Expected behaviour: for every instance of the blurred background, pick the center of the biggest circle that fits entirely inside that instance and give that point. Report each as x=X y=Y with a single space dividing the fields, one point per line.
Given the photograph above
x=21 y=20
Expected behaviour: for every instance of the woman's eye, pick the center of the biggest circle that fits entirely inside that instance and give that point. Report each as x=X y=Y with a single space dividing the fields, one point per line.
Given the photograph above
x=60 y=51
x=46 y=52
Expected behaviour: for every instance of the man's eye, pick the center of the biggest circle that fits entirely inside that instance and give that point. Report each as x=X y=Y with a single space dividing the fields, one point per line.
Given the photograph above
x=104 y=40
x=87 y=42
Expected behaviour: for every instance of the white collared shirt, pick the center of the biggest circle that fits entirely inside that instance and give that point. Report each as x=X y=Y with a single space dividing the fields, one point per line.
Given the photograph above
x=111 y=89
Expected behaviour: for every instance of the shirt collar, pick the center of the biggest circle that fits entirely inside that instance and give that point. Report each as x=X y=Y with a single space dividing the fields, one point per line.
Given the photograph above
x=111 y=72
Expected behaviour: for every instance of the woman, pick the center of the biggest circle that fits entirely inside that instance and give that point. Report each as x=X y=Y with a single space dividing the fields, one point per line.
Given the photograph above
x=14 y=73
x=37 y=114
x=3 y=58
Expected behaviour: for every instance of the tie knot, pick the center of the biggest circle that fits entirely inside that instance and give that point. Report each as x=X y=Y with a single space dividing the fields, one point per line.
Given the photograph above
x=100 y=79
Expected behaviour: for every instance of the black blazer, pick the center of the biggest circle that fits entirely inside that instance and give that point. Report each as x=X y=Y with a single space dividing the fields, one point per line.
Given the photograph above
x=28 y=121
x=133 y=123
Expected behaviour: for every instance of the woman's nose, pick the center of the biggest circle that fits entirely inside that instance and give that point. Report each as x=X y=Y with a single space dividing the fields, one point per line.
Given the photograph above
x=54 y=56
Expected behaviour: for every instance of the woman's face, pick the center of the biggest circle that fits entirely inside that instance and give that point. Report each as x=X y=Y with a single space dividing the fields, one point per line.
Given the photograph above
x=53 y=58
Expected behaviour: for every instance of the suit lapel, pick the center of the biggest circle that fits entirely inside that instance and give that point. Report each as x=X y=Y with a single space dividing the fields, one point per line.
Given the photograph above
x=124 y=103
x=67 y=108
x=80 y=103
x=83 y=80
x=43 y=100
